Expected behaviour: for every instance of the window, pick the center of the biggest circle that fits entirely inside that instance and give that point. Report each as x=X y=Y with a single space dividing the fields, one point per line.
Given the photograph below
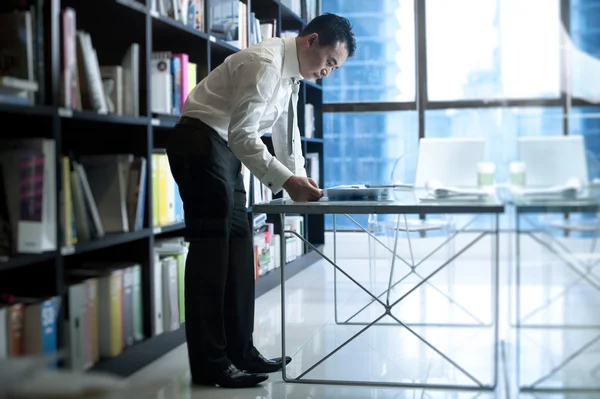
x=383 y=68
x=499 y=126
x=492 y=49
x=585 y=121
x=583 y=50
x=514 y=52
x=362 y=148
x=584 y=58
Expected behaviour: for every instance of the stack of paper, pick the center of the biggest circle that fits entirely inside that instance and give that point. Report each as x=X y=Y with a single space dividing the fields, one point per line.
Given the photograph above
x=437 y=190
x=568 y=190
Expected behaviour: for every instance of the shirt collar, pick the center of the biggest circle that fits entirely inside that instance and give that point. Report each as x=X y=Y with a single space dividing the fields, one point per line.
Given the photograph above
x=291 y=67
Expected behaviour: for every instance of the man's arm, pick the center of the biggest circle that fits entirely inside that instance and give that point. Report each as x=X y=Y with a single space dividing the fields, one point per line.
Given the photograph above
x=296 y=161
x=254 y=82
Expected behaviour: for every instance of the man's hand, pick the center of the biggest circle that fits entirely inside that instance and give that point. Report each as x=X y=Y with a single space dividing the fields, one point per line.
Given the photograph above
x=302 y=189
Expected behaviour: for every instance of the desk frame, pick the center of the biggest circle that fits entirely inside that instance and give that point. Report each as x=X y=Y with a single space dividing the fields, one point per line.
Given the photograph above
x=576 y=206
x=494 y=209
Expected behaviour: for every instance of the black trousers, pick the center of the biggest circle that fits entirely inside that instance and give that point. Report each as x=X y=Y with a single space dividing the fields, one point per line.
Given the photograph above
x=219 y=275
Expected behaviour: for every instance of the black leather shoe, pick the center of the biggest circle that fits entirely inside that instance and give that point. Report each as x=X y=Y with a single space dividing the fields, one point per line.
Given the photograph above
x=260 y=364
x=231 y=377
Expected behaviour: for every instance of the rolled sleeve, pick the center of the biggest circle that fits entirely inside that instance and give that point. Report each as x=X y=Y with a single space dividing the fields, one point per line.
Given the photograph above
x=254 y=82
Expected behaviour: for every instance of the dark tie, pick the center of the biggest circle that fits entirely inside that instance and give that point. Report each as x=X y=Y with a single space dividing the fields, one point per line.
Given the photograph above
x=292 y=115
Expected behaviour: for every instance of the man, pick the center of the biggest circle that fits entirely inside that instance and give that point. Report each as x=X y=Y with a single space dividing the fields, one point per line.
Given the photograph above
x=220 y=128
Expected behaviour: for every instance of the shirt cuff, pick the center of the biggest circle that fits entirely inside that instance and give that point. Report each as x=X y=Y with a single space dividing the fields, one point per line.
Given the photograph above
x=301 y=172
x=277 y=174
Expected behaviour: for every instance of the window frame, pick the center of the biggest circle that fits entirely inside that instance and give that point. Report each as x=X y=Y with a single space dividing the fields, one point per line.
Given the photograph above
x=421 y=104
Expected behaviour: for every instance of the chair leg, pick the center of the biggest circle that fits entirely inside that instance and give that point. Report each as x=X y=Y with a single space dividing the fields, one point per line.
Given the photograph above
x=451 y=250
x=373 y=229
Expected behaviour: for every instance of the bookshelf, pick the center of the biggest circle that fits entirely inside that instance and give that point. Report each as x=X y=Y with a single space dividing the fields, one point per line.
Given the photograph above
x=83 y=130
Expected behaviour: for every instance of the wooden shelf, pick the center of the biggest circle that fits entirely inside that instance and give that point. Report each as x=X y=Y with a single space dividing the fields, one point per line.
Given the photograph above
x=219 y=44
x=288 y=15
x=91 y=116
x=161 y=23
x=27 y=260
x=133 y=5
x=65 y=113
x=107 y=241
x=29 y=110
x=164 y=121
x=142 y=353
x=168 y=228
x=81 y=132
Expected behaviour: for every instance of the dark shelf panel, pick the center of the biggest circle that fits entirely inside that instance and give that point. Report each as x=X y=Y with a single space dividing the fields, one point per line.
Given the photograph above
x=164 y=121
x=107 y=241
x=161 y=22
x=288 y=15
x=103 y=118
x=47 y=111
x=168 y=228
x=222 y=46
x=34 y=110
x=27 y=259
x=141 y=354
x=134 y=5
x=264 y=3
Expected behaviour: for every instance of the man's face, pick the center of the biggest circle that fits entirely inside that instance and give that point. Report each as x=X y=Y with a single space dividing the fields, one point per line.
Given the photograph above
x=318 y=61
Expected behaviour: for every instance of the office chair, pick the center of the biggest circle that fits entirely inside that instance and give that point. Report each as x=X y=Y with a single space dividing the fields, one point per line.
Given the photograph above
x=401 y=173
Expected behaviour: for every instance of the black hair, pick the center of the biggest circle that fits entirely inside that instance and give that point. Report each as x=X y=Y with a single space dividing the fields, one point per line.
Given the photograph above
x=332 y=29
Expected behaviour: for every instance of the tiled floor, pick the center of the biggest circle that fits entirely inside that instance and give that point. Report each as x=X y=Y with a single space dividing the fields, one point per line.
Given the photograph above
x=458 y=349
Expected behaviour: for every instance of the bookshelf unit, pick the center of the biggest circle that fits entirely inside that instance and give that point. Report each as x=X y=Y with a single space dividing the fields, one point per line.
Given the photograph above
x=113 y=26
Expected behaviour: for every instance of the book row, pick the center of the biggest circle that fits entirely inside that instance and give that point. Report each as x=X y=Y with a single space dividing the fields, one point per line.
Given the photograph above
x=101 y=194
x=104 y=309
x=86 y=84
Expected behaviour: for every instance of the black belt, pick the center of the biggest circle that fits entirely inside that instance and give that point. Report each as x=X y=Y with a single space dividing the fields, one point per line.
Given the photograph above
x=198 y=124
x=186 y=120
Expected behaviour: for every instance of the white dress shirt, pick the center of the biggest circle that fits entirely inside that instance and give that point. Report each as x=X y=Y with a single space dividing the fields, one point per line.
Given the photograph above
x=247 y=96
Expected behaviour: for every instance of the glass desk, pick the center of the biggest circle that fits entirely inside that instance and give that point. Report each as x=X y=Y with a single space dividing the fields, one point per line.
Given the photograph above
x=557 y=301
x=403 y=202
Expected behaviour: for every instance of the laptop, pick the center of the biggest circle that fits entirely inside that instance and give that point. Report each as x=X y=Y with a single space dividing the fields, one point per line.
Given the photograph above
x=449 y=161
x=553 y=160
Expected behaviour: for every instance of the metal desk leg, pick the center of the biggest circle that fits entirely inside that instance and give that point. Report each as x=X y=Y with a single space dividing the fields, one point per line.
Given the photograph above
x=335 y=308
x=283 y=256
x=496 y=294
